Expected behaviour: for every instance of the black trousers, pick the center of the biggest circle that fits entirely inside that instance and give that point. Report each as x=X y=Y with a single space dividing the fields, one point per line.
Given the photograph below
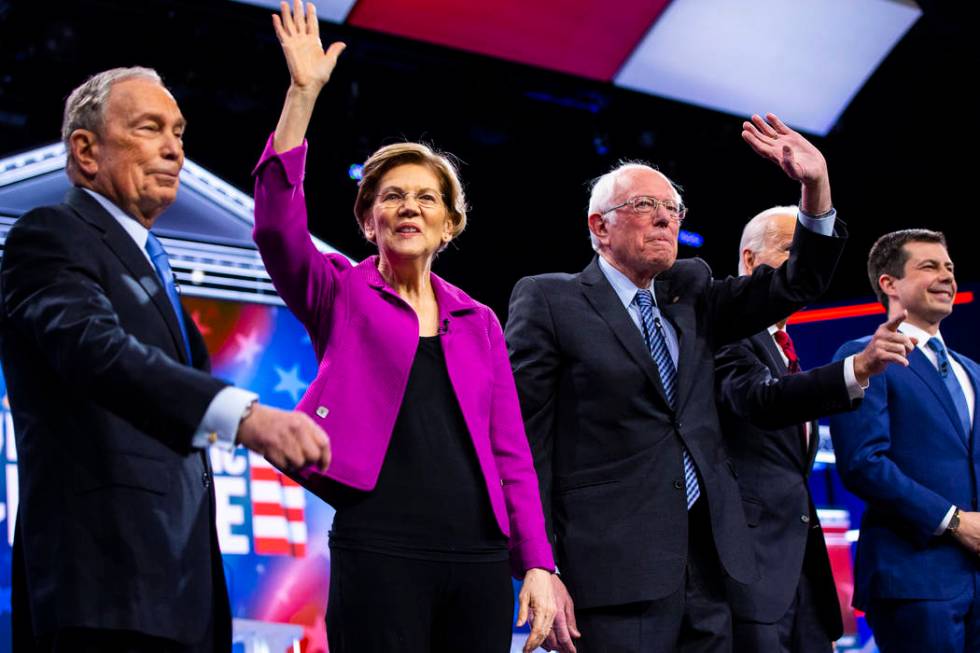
x=379 y=603
x=93 y=640
x=696 y=618
x=799 y=631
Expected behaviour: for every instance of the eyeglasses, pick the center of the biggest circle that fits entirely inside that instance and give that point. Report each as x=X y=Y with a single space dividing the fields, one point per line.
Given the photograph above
x=394 y=199
x=645 y=204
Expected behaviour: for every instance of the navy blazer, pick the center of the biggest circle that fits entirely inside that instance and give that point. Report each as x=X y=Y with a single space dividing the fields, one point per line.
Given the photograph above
x=905 y=453
x=763 y=410
x=607 y=444
x=115 y=526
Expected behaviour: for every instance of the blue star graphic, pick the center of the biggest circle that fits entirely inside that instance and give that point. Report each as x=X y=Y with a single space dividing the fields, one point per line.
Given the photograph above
x=290 y=382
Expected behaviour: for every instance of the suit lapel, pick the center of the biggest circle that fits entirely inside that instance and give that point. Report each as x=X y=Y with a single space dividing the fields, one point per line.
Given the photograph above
x=128 y=252
x=802 y=450
x=970 y=373
x=606 y=303
x=923 y=368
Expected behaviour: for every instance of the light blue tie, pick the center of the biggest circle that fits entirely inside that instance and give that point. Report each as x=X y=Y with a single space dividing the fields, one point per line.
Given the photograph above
x=162 y=265
x=654 y=334
x=952 y=385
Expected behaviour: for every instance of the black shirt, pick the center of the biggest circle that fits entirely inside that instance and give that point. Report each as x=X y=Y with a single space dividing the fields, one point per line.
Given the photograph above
x=431 y=499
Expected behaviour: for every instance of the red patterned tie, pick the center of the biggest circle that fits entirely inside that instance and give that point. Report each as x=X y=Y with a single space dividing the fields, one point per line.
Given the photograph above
x=786 y=344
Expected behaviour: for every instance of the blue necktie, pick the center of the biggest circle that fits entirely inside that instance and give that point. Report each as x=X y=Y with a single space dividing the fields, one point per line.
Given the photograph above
x=162 y=264
x=952 y=385
x=654 y=335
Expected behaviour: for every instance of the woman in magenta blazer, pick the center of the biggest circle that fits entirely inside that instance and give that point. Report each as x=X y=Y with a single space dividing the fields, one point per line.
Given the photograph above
x=432 y=479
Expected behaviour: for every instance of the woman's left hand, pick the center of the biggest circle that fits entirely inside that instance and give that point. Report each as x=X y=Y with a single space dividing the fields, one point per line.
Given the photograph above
x=537 y=603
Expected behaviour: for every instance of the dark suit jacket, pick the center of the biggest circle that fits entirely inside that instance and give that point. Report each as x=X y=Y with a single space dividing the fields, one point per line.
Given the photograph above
x=763 y=410
x=905 y=453
x=607 y=445
x=115 y=525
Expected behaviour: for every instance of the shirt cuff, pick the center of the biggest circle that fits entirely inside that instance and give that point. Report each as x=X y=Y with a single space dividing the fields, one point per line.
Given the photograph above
x=220 y=424
x=945 y=523
x=854 y=389
x=823 y=225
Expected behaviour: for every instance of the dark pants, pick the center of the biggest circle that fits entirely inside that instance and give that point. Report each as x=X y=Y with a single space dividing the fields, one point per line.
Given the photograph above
x=696 y=618
x=951 y=626
x=380 y=603
x=799 y=631
x=92 y=640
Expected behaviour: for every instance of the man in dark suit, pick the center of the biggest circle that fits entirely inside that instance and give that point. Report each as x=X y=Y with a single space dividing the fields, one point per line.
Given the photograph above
x=113 y=408
x=910 y=452
x=768 y=408
x=615 y=371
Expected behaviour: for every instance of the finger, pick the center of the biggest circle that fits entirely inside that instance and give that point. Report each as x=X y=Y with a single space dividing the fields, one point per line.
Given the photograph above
x=763 y=126
x=312 y=26
x=538 y=633
x=277 y=26
x=299 y=17
x=777 y=124
x=288 y=26
x=523 y=597
x=333 y=52
x=562 y=633
x=326 y=456
x=755 y=141
x=893 y=323
x=569 y=612
x=550 y=642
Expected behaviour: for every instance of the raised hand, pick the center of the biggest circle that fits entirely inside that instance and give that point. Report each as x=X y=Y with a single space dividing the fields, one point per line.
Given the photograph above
x=310 y=68
x=309 y=65
x=887 y=345
x=798 y=158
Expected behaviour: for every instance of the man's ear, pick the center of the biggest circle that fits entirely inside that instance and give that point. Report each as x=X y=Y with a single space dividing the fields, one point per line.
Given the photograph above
x=598 y=227
x=748 y=260
x=84 y=147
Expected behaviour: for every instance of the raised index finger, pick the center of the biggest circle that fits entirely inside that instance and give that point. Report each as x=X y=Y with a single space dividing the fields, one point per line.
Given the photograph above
x=893 y=323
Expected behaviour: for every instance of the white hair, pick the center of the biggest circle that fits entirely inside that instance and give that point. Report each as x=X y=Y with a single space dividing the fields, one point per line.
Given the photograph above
x=603 y=191
x=85 y=107
x=754 y=233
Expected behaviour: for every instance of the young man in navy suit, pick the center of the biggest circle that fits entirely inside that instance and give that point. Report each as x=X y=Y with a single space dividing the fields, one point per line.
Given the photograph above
x=908 y=451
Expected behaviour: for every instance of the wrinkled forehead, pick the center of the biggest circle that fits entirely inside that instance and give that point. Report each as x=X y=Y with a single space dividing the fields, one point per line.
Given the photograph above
x=644 y=181
x=138 y=95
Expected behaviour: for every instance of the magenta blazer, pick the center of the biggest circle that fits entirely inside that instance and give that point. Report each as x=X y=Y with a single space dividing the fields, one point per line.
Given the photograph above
x=365 y=337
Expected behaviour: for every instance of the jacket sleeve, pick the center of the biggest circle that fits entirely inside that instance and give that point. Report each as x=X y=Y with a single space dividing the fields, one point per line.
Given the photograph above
x=53 y=295
x=529 y=547
x=535 y=360
x=303 y=276
x=748 y=389
x=741 y=306
x=862 y=439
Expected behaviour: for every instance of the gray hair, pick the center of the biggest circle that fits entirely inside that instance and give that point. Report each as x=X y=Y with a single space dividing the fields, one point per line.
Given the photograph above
x=85 y=107
x=603 y=190
x=754 y=233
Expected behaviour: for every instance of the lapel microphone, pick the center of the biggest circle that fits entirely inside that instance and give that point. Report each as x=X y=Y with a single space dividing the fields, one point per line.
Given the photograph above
x=444 y=327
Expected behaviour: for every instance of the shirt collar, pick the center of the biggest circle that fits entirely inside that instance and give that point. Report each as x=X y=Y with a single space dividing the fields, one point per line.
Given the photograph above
x=921 y=335
x=625 y=289
x=136 y=231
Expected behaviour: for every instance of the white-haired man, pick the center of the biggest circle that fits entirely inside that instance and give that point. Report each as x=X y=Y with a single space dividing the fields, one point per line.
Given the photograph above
x=113 y=406
x=768 y=408
x=615 y=371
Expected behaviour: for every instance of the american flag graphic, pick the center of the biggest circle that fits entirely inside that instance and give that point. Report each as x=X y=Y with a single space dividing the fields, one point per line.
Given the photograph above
x=278 y=510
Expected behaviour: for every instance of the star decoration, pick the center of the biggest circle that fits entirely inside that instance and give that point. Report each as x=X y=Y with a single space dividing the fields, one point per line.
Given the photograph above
x=290 y=382
x=248 y=348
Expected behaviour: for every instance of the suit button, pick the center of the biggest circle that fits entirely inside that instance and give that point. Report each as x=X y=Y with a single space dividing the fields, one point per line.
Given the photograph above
x=805 y=519
x=206 y=479
x=322 y=411
x=678 y=485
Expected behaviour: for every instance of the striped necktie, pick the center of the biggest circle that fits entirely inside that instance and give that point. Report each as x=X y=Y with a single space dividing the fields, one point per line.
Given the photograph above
x=653 y=333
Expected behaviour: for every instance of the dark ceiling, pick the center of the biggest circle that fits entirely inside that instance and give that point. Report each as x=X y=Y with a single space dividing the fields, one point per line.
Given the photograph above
x=529 y=139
